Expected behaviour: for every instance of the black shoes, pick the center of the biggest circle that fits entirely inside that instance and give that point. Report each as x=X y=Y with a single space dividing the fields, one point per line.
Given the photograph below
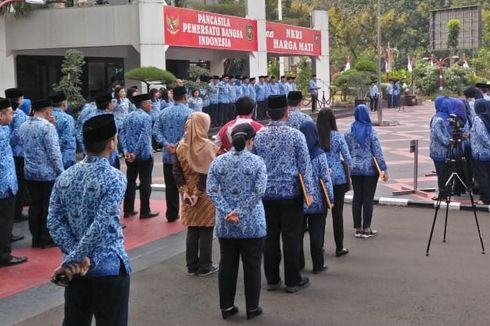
x=254 y=313
x=130 y=214
x=303 y=283
x=319 y=270
x=149 y=215
x=229 y=312
x=13 y=260
x=171 y=220
x=21 y=218
x=341 y=252
x=14 y=238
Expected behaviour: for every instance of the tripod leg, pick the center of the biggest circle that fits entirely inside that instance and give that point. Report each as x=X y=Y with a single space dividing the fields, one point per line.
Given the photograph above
x=445 y=222
x=438 y=205
x=476 y=220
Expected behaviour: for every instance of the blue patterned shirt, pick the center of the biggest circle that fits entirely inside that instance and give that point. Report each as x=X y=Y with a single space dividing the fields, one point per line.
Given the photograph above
x=169 y=128
x=224 y=92
x=251 y=92
x=65 y=127
x=362 y=156
x=267 y=90
x=87 y=110
x=232 y=93
x=195 y=103
x=338 y=146
x=212 y=93
x=313 y=87
x=283 y=88
x=135 y=136
x=84 y=213
x=480 y=140
x=26 y=106
x=237 y=181
x=245 y=90
x=121 y=111
x=8 y=178
x=19 y=118
x=296 y=118
x=285 y=153
x=320 y=172
x=155 y=111
x=42 y=154
x=439 y=139
x=260 y=92
x=274 y=89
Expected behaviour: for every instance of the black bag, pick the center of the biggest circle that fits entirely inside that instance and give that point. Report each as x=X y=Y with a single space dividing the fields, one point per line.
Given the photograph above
x=348 y=185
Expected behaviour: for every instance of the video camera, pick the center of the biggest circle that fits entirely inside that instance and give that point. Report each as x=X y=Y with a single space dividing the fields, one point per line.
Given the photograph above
x=457 y=127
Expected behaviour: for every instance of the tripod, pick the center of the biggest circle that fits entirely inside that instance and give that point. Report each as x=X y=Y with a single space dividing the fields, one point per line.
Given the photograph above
x=455 y=159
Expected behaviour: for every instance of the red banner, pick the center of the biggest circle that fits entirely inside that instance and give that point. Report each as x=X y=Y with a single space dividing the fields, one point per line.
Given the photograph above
x=202 y=29
x=289 y=39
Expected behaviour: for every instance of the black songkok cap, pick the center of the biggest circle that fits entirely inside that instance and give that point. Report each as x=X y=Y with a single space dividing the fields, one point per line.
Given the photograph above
x=179 y=91
x=13 y=93
x=99 y=128
x=295 y=96
x=215 y=77
x=252 y=79
x=140 y=98
x=244 y=77
x=103 y=98
x=273 y=77
x=277 y=102
x=266 y=76
x=4 y=103
x=58 y=97
x=205 y=79
x=283 y=77
x=41 y=104
x=261 y=76
x=483 y=85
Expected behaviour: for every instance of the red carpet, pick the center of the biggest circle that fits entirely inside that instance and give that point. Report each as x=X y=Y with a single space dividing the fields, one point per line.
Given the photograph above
x=42 y=262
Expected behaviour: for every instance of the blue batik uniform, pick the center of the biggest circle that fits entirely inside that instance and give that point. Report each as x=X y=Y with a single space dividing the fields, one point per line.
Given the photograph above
x=313 y=87
x=362 y=156
x=8 y=178
x=251 y=92
x=121 y=111
x=42 y=154
x=88 y=109
x=480 y=140
x=84 y=213
x=282 y=88
x=155 y=111
x=320 y=172
x=233 y=93
x=245 y=90
x=135 y=136
x=338 y=146
x=26 y=106
x=223 y=93
x=212 y=93
x=296 y=118
x=237 y=182
x=195 y=104
x=238 y=87
x=260 y=92
x=274 y=89
x=65 y=127
x=439 y=139
x=169 y=128
x=267 y=89
x=15 y=141
x=286 y=156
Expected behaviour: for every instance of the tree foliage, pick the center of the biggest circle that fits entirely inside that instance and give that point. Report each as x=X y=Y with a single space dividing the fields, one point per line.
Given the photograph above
x=70 y=82
x=150 y=74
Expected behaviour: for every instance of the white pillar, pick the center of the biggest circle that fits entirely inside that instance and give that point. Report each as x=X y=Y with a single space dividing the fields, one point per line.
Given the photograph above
x=151 y=33
x=258 y=60
x=279 y=17
x=7 y=62
x=321 y=64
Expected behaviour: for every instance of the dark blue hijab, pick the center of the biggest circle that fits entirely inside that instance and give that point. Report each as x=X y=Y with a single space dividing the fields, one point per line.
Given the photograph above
x=442 y=105
x=459 y=109
x=308 y=128
x=482 y=110
x=362 y=128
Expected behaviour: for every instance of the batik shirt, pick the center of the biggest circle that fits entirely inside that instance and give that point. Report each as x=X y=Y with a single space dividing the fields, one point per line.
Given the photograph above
x=480 y=141
x=155 y=111
x=274 y=89
x=169 y=128
x=260 y=92
x=245 y=90
x=232 y=93
x=135 y=136
x=26 y=106
x=283 y=88
x=237 y=182
x=321 y=171
x=362 y=156
x=93 y=113
x=296 y=118
x=65 y=127
x=84 y=213
x=42 y=154
x=285 y=153
x=439 y=139
x=18 y=119
x=87 y=110
x=251 y=92
x=212 y=93
x=195 y=104
x=8 y=179
x=313 y=87
x=223 y=93
x=121 y=111
x=338 y=146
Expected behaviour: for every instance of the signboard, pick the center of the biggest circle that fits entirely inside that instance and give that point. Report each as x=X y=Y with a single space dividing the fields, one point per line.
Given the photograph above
x=295 y=40
x=202 y=29
x=470 y=33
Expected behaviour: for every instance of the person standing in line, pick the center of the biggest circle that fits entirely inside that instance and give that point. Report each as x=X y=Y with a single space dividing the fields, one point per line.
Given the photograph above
x=286 y=157
x=87 y=109
x=155 y=104
x=65 y=127
x=213 y=100
x=121 y=106
x=236 y=183
x=245 y=88
x=373 y=96
x=233 y=96
x=168 y=132
x=251 y=91
x=274 y=87
x=16 y=95
x=313 y=88
x=390 y=94
x=89 y=231
x=8 y=188
x=135 y=140
x=316 y=213
x=193 y=157
x=366 y=153
x=396 y=94
x=223 y=99
x=261 y=99
x=43 y=164
x=195 y=102
x=291 y=84
x=480 y=145
x=334 y=144
x=283 y=87
x=295 y=117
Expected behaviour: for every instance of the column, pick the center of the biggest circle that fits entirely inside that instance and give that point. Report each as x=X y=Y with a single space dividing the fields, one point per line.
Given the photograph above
x=152 y=43
x=321 y=64
x=258 y=60
x=7 y=62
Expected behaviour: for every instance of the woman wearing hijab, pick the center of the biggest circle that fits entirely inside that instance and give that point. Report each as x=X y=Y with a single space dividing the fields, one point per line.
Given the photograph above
x=480 y=146
x=316 y=213
x=367 y=157
x=236 y=183
x=334 y=144
x=194 y=155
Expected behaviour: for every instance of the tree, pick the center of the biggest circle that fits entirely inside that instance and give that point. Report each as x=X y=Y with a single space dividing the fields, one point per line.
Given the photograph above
x=70 y=82
x=454 y=27
x=149 y=75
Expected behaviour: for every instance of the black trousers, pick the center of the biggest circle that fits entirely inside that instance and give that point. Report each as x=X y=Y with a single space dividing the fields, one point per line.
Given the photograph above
x=7 y=207
x=316 y=229
x=143 y=169
x=106 y=298
x=338 y=215
x=314 y=100
x=483 y=176
x=40 y=192
x=171 y=193
x=440 y=171
x=373 y=103
x=261 y=110
x=284 y=221
x=251 y=252
x=214 y=114
x=21 y=184
x=199 y=248
x=362 y=204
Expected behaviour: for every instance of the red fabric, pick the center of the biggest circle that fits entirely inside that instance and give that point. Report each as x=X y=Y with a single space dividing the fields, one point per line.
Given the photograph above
x=225 y=131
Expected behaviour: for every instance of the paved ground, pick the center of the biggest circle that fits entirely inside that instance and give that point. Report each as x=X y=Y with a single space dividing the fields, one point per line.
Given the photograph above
x=386 y=280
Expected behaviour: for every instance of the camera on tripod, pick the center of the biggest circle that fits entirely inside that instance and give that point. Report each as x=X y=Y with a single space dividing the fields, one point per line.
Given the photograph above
x=457 y=127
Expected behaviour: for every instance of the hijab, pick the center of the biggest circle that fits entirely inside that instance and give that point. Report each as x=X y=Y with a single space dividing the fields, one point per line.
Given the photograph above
x=482 y=110
x=442 y=105
x=199 y=150
x=308 y=128
x=459 y=109
x=362 y=127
